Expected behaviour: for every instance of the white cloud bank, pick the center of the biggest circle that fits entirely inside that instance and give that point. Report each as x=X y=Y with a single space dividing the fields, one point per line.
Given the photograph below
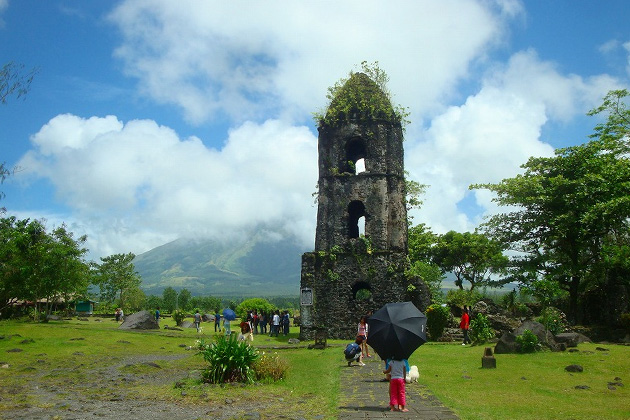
x=134 y=183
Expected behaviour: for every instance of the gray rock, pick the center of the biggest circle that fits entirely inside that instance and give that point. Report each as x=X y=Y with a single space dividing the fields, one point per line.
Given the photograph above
x=571 y=339
x=574 y=368
x=143 y=320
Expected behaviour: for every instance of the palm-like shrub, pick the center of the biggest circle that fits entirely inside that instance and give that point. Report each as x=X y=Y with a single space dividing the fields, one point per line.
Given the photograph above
x=178 y=316
x=229 y=359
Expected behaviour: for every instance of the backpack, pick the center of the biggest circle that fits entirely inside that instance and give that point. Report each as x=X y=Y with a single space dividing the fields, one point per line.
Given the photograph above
x=350 y=351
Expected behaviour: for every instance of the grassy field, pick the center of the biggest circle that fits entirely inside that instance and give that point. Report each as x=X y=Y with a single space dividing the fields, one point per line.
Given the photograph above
x=96 y=360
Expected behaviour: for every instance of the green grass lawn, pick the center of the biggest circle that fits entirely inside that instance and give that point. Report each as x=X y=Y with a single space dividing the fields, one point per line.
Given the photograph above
x=532 y=386
x=528 y=386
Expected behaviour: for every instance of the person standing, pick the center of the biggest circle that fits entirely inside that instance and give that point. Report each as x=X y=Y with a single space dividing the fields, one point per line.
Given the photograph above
x=157 y=315
x=397 y=370
x=363 y=333
x=464 y=324
x=275 y=324
x=263 y=323
x=217 y=321
x=226 y=326
x=197 y=318
x=286 y=320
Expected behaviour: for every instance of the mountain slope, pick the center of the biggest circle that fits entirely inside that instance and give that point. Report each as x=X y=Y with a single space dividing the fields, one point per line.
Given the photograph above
x=255 y=266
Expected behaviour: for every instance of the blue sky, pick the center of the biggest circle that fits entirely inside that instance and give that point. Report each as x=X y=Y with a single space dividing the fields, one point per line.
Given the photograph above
x=153 y=120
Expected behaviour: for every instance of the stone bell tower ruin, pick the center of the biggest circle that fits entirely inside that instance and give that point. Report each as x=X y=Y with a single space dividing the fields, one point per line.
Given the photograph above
x=360 y=253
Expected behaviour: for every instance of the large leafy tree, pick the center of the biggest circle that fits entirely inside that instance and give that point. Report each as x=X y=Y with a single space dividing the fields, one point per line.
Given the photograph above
x=471 y=257
x=37 y=265
x=169 y=299
x=117 y=278
x=568 y=214
x=421 y=244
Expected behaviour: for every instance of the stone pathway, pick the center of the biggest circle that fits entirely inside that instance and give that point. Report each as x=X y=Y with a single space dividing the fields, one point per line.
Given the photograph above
x=364 y=395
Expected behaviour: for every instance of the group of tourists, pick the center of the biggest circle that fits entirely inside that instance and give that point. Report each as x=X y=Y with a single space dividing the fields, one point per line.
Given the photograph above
x=256 y=323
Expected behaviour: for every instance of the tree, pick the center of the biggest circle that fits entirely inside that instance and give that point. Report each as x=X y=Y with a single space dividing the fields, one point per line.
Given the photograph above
x=421 y=243
x=169 y=299
x=36 y=265
x=470 y=256
x=183 y=299
x=116 y=276
x=569 y=212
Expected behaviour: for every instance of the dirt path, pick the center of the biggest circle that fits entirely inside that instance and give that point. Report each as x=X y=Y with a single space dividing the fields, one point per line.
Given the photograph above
x=104 y=394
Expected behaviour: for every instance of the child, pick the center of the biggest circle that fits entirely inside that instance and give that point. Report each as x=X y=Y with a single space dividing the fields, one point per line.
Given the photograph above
x=398 y=371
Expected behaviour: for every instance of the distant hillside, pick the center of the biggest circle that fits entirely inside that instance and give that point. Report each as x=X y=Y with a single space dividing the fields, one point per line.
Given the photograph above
x=252 y=267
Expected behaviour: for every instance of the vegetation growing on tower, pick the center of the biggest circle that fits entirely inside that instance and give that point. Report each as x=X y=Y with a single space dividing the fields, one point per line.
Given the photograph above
x=363 y=94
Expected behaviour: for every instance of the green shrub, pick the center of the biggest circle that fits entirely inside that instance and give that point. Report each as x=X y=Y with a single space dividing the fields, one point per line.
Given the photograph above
x=527 y=342
x=260 y=305
x=178 y=316
x=230 y=360
x=438 y=317
x=458 y=297
x=269 y=367
x=553 y=319
x=480 y=330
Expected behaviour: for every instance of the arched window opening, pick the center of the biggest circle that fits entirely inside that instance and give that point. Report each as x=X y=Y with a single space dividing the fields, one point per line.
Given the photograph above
x=361 y=291
x=355 y=151
x=356 y=210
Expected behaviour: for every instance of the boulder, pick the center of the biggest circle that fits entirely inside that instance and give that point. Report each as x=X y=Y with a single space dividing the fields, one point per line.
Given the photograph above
x=143 y=320
x=187 y=324
x=571 y=339
x=502 y=323
x=506 y=344
x=545 y=338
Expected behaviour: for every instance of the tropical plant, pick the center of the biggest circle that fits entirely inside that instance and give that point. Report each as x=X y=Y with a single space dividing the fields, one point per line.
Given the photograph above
x=178 y=316
x=553 y=319
x=527 y=342
x=229 y=359
x=480 y=329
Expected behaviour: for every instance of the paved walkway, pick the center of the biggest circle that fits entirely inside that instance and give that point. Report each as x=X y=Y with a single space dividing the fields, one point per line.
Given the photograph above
x=364 y=395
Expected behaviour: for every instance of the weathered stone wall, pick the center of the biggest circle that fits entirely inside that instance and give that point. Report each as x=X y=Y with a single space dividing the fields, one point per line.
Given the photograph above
x=350 y=275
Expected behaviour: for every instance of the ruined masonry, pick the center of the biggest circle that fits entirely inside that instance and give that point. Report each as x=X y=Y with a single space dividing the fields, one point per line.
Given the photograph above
x=361 y=189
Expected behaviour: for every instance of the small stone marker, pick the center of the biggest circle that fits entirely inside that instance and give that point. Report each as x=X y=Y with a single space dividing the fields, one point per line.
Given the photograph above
x=488 y=361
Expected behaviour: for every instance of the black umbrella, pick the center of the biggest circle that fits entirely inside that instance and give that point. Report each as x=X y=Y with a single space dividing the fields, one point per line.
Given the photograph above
x=396 y=330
